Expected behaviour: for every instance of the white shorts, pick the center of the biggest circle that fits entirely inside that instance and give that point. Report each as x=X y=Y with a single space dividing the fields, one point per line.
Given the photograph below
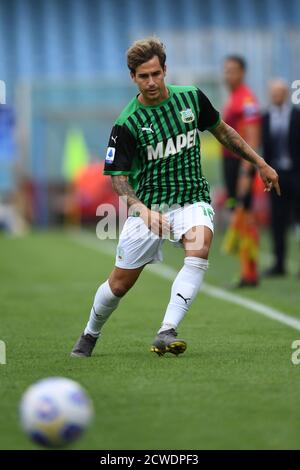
x=138 y=245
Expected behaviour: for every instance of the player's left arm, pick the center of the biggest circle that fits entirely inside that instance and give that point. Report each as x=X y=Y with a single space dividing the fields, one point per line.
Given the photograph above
x=228 y=137
x=251 y=134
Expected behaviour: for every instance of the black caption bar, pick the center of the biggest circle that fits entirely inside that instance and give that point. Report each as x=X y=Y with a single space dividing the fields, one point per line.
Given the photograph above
x=133 y=459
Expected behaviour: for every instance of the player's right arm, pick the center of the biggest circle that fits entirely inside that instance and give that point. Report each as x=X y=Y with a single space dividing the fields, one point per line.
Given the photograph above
x=154 y=220
x=118 y=163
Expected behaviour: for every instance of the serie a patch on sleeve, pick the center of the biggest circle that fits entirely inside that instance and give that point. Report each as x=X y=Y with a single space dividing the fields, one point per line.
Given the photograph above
x=110 y=155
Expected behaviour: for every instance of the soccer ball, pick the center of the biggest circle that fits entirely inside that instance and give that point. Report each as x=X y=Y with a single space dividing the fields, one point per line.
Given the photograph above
x=55 y=411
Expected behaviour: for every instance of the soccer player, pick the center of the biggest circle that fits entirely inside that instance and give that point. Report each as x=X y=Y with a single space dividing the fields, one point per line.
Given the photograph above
x=241 y=112
x=153 y=158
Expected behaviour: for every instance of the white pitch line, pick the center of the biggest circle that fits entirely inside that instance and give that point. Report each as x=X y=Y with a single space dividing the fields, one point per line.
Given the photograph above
x=169 y=273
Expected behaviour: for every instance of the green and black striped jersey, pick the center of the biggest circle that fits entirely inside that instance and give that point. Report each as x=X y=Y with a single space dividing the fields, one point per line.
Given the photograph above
x=158 y=147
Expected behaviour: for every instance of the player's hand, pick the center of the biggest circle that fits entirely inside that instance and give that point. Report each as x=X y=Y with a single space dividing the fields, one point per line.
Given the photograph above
x=156 y=222
x=269 y=177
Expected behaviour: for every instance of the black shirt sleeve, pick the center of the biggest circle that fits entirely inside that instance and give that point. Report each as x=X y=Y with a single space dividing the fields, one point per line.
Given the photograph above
x=209 y=117
x=120 y=151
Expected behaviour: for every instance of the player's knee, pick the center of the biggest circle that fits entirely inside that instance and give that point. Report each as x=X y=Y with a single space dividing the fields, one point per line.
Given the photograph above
x=202 y=252
x=120 y=288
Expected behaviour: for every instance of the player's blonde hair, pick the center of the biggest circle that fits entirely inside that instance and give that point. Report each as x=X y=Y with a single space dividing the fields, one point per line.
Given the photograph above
x=143 y=50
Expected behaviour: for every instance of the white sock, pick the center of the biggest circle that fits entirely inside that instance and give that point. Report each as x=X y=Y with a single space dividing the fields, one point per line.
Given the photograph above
x=105 y=303
x=184 y=289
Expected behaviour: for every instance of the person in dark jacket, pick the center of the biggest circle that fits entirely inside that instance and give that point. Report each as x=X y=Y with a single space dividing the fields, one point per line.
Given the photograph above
x=281 y=149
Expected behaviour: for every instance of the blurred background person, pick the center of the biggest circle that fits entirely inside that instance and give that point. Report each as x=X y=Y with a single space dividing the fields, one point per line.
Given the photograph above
x=281 y=148
x=241 y=112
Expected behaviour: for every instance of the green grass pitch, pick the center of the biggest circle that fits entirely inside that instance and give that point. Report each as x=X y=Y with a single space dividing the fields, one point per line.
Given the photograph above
x=234 y=388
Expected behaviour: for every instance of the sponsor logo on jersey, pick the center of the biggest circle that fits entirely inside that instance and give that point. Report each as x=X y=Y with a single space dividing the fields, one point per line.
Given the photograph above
x=114 y=139
x=187 y=115
x=110 y=155
x=173 y=146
